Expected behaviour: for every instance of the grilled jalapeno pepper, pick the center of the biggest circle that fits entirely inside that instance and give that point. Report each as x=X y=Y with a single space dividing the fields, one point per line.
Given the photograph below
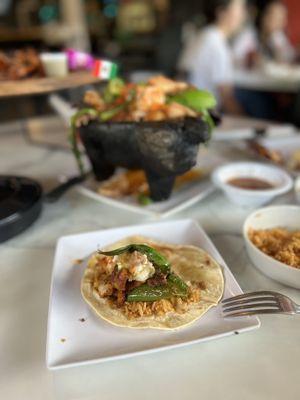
x=195 y=99
x=174 y=287
x=149 y=293
x=158 y=260
x=178 y=286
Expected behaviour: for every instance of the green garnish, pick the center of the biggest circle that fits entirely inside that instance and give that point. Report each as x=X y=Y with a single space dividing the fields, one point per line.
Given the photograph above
x=144 y=200
x=174 y=287
x=179 y=287
x=198 y=100
x=207 y=118
x=113 y=90
x=195 y=99
x=149 y=293
x=115 y=86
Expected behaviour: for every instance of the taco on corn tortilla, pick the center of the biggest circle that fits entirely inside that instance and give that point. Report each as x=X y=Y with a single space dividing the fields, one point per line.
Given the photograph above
x=141 y=283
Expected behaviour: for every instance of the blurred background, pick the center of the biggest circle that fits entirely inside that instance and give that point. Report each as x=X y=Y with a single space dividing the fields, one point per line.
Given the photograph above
x=162 y=36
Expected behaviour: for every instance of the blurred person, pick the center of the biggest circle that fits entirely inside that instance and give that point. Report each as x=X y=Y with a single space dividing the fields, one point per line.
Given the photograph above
x=272 y=21
x=244 y=44
x=245 y=49
x=208 y=58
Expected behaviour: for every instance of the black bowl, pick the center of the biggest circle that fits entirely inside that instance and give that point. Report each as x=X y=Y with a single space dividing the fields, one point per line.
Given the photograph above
x=163 y=149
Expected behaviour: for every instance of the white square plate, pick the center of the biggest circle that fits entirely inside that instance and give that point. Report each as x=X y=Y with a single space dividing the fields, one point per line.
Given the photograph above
x=181 y=198
x=72 y=342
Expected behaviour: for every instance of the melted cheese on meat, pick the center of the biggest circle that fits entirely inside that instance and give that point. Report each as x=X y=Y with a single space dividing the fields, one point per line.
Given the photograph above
x=138 y=265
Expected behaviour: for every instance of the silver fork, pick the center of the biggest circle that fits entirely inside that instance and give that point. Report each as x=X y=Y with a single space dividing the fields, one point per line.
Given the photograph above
x=263 y=302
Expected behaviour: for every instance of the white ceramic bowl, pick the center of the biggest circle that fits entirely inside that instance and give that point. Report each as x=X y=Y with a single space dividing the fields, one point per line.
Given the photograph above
x=272 y=217
x=252 y=198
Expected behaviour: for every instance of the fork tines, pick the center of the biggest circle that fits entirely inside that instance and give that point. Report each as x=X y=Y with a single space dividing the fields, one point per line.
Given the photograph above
x=263 y=302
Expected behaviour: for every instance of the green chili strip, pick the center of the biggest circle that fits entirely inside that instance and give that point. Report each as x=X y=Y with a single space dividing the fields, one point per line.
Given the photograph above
x=195 y=99
x=115 y=86
x=144 y=200
x=179 y=287
x=199 y=100
x=149 y=293
x=175 y=287
x=206 y=117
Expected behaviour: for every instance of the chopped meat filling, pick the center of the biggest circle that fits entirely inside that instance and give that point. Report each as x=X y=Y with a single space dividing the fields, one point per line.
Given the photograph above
x=118 y=281
x=157 y=279
x=119 y=278
x=121 y=297
x=133 y=284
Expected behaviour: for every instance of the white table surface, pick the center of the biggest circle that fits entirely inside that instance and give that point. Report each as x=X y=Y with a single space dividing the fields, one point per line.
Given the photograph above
x=263 y=364
x=240 y=128
x=259 y=80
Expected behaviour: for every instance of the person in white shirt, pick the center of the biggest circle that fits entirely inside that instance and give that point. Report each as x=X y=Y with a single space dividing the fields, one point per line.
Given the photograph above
x=267 y=40
x=208 y=58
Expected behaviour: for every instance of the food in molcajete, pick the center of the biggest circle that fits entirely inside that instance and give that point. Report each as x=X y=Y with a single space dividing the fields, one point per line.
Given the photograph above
x=155 y=126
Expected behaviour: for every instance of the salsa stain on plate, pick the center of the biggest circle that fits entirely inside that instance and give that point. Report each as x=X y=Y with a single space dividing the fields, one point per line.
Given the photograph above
x=250 y=183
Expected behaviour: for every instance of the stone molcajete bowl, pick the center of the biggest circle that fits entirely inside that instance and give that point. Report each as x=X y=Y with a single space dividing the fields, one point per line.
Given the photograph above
x=163 y=149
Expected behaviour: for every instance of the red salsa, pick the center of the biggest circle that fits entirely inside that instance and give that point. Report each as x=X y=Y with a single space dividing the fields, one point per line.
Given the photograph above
x=250 y=183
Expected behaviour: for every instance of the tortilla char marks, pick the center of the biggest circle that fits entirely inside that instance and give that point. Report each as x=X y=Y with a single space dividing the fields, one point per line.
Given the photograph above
x=208 y=261
x=200 y=285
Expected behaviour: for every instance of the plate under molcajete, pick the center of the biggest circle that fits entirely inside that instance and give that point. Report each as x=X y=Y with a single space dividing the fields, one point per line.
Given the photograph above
x=163 y=149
